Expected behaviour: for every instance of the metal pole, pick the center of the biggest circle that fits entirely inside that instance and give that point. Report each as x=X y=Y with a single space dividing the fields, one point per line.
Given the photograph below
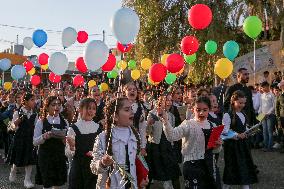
x=104 y=35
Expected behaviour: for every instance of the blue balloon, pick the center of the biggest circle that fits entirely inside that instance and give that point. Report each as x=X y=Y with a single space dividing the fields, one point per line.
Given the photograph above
x=18 y=72
x=231 y=50
x=5 y=64
x=39 y=38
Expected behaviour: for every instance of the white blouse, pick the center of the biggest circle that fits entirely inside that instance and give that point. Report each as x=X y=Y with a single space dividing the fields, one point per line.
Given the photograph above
x=227 y=120
x=38 y=138
x=85 y=127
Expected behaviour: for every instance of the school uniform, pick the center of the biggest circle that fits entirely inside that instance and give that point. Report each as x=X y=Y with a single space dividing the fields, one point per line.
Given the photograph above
x=124 y=148
x=162 y=160
x=22 y=152
x=239 y=167
x=199 y=168
x=51 y=153
x=84 y=133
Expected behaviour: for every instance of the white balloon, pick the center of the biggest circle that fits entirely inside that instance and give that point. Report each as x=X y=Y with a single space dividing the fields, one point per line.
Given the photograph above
x=58 y=63
x=69 y=37
x=28 y=43
x=125 y=25
x=96 y=54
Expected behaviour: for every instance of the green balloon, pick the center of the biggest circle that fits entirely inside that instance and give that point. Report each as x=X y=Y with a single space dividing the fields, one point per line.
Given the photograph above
x=170 y=78
x=190 y=58
x=252 y=26
x=211 y=47
x=132 y=64
x=112 y=74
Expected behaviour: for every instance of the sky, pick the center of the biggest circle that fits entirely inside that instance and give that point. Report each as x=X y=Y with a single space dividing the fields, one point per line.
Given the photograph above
x=92 y=16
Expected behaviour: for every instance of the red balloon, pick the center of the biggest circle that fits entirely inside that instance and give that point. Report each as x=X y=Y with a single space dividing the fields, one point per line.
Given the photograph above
x=35 y=80
x=78 y=80
x=199 y=16
x=28 y=65
x=189 y=45
x=110 y=64
x=82 y=37
x=157 y=72
x=174 y=63
x=43 y=59
x=54 y=78
x=80 y=65
x=124 y=48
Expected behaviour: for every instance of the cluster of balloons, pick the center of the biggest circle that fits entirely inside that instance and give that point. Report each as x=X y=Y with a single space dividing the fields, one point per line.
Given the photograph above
x=29 y=66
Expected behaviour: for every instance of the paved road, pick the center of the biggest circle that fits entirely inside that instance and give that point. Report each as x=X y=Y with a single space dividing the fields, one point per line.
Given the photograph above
x=270 y=164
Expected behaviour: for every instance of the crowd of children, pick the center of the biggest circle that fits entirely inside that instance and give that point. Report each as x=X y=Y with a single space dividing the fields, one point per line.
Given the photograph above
x=88 y=139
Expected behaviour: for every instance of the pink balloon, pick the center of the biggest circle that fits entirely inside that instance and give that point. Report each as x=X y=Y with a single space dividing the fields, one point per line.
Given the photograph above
x=157 y=72
x=199 y=16
x=53 y=78
x=174 y=63
x=78 y=80
x=82 y=37
x=80 y=65
x=28 y=65
x=43 y=59
x=189 y=45
x=110 y=64
x=35 y=80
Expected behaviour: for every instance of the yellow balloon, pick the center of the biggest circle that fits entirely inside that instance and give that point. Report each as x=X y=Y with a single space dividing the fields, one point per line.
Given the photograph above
x=151 y=82
x=135 y=74
x=32 y=71
x=92 y=83
x=44 y=67
x=7 y=86
x=164 y=58
x=104 y=87
x=223 y=68
x=122 y=64
x=146 y=63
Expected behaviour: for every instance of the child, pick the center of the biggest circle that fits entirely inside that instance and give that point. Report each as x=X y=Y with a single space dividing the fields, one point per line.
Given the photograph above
x=239 y=167
x=51 y=153
x=81 y=138
x=139 y=122
x=214 y=108
x=199 y=167
x=119 y=142
x=21 y=152
x=163 y=162
x=267 y=108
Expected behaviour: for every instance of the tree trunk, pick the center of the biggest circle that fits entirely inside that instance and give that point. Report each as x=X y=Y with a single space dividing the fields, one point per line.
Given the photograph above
x=282 y=32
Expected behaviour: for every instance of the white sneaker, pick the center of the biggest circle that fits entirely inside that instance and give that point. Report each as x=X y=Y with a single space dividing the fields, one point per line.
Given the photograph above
x=276 y=146
x=12 y=176
x=28 y=184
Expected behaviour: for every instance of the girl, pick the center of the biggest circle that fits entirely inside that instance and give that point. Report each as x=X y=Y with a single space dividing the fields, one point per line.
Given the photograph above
x=161 y=155
x=239 y=167
x=81 y=138
x=212 y=116
x=199 y=167
x=139 y=122
x=119 y=142
x=21 y=152
x=51 y=153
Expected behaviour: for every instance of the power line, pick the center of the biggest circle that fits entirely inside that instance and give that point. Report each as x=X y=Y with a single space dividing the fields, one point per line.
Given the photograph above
x=47 y=30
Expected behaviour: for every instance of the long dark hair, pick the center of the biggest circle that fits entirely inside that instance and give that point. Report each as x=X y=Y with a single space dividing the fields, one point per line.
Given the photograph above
x=47 y=102
x=112 y=108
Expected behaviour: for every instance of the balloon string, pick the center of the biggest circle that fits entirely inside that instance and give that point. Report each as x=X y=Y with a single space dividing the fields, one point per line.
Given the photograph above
x=254 y=61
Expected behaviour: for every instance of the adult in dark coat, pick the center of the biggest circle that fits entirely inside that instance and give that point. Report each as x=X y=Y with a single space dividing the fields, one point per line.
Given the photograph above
x=242 y=80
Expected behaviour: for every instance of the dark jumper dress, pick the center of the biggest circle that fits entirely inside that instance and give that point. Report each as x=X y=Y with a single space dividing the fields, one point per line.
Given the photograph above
x=239 y=167
x=51 y=158
x=22 y=151
x=80 y=173
x=203 y=173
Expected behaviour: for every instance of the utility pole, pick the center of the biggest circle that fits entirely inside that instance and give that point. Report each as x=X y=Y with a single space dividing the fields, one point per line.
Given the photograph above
x=104 y=35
